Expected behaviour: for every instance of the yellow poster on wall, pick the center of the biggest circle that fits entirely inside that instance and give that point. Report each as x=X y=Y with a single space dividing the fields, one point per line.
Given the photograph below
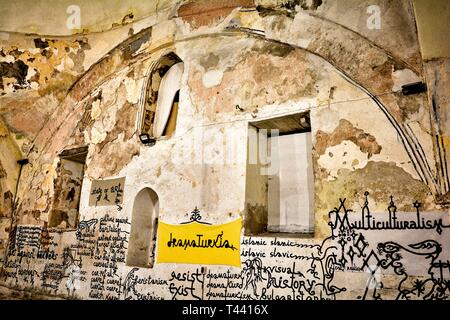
x=198 y=243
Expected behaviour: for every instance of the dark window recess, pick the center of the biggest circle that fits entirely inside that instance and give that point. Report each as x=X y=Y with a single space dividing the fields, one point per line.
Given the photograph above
x=64 y=213
x=280 y=183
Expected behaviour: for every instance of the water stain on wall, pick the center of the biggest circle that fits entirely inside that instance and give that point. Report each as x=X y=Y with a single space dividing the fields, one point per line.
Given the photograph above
x=268 y=81
x=207 y=12
x=380 y=179
x=346 y=131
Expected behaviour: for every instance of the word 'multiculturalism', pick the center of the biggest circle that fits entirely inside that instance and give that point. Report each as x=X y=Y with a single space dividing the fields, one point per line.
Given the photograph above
x=198 y=243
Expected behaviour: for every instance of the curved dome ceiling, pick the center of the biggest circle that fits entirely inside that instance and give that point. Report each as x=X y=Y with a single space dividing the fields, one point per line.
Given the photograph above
x=56 y=17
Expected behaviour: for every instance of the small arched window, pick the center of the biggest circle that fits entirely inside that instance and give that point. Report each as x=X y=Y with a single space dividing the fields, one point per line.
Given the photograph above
x=162 y=97
x=144 y=223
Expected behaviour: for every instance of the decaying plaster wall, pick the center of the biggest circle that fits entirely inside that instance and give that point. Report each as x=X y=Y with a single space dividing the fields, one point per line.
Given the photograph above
x=432 y=26
x=114 y=14
x=9 y=171
x=64 y=213
x=244 y=62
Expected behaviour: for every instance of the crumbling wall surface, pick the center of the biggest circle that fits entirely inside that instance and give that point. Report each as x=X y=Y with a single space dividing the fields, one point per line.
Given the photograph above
x=38 y=71
x=77 y=123
x=59 y=17
x=432 y=28
x=438 y=81
x=396 y=19
x=9 y=173
x=378 y=213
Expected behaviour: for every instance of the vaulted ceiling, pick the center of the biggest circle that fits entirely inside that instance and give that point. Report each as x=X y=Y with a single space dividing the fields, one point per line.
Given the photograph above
x=49 y=17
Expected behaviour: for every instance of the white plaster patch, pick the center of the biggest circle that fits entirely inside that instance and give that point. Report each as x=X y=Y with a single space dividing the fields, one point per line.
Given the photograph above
x=250 y=20
x=98 y=48
x=96 y=110
x=346 y=155
x=108 y=120
x=298 y=33
x=109 y=90
x=8 y=86
x=97 y=136
x=303 y=42
x=144 y=23
x=34 y=50
x=69 y=63
x=87 y=137
x=66 y=64
x=193 y=50
x=7 y=58
x=327 y=119
x=31 y=72
x=132 y=88
x=163 y=30
x=402 y=77
x=60 y=67
x=212 y=78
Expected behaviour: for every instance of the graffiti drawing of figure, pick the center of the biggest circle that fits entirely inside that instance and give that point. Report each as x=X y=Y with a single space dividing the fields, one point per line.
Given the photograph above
x=129 y=284
x=253 y=271
x=73 y=272
x=391 y=255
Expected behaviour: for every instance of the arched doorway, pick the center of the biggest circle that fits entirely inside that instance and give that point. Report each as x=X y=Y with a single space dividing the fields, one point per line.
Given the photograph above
x=141 y=247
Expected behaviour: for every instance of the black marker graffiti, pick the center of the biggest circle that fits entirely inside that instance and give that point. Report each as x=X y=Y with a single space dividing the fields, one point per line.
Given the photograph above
x=368 y=222
x=272 y=268
x=132 y=280
x=87 y=225
x=195 y=217
x=186 y=284
x=102 y=195
x=217 y=242
x=390 y=255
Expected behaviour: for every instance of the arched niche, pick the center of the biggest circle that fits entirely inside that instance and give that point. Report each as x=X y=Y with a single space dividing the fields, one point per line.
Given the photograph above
x=141 y=246
x=160 y=110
